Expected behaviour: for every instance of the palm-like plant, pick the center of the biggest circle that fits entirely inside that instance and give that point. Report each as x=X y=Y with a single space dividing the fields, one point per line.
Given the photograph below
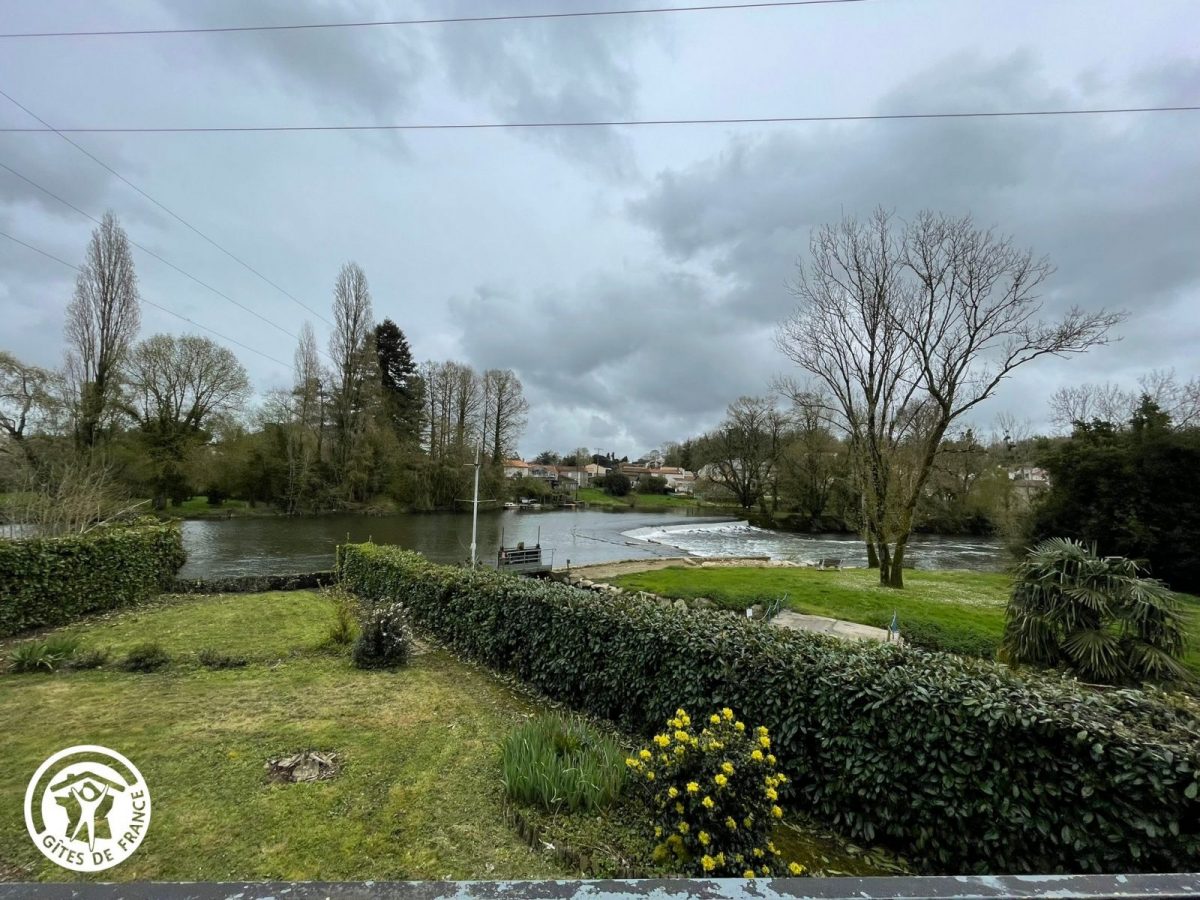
x=1096 y=616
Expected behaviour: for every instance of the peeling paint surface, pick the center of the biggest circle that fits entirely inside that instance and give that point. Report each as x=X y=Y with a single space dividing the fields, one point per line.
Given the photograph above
x=985 y=887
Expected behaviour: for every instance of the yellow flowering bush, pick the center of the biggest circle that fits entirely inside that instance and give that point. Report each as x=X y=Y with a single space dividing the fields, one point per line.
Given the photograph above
x=714 y=797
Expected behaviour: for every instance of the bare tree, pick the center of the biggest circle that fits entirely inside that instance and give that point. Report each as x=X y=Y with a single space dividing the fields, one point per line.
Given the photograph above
x=908 y=328
x=174 y=385
x=25 y=399
x=505 y=410
x=742 y=454
x=352 y=351
x=305 y=416
x=1109 y=402
x=102 y=321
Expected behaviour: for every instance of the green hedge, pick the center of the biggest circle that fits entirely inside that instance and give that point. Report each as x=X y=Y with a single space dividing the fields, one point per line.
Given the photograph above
x=964 y=764
x=51 y=581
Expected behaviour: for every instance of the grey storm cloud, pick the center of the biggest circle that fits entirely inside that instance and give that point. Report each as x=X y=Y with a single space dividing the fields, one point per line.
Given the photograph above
x=631 y=277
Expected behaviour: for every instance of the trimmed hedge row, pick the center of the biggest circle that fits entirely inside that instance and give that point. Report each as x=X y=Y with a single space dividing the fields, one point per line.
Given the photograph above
x=51 y=581
x=965 y=765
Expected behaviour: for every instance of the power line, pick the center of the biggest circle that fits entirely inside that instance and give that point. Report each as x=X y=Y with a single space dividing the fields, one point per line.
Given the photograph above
x=619 y=123
x=583 y=14
x=161 y=206
x=148 y=302
x=150 y=252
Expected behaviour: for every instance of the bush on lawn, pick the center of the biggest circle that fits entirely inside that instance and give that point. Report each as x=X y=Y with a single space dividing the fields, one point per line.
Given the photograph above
x=217 y=659
x=48 y=655
x=968 y=766
x=384 y=640
x=146 y=657
x=715 y=793
x=560 y=763
x=51 y=581
x=88 y=659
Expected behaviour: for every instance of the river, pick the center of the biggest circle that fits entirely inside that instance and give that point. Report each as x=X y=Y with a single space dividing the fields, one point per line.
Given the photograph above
x=248 y=546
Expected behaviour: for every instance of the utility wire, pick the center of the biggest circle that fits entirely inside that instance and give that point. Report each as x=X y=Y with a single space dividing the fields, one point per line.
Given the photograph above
x=231 y=29
x=745 y=120
x=150 y=252
x=148 y=302
x=161 y=206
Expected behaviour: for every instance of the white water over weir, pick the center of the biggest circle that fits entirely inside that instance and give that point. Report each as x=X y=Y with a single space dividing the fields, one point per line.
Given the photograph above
x=740 y=538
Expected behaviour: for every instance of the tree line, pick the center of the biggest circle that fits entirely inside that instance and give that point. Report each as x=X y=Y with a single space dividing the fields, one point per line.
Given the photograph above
x=163 y=417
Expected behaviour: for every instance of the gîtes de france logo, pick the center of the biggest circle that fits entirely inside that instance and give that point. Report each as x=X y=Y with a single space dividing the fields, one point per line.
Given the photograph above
x=87 y=808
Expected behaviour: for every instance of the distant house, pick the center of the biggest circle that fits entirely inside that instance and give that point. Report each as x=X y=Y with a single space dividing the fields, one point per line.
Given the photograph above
x=546 y=473
x=515 y=468
x=679 y=481
x=581 y=475
x=1030 y=474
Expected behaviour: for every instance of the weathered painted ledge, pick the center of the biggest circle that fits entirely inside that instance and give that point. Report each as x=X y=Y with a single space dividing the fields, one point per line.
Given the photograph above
x=984 y=887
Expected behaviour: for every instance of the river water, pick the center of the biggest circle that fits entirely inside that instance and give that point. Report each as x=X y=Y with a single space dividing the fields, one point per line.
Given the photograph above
x=267 y=545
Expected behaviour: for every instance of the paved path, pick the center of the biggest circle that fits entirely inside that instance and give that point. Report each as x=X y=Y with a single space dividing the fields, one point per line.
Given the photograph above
x=823 y=625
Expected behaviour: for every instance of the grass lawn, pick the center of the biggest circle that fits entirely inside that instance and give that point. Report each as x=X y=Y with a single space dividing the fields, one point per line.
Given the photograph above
x=419 y=796
x=198 y=508
x=958 y=611
x=597 y=497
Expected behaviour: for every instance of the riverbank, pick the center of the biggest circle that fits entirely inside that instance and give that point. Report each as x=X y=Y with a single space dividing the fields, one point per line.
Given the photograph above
x=950 y=610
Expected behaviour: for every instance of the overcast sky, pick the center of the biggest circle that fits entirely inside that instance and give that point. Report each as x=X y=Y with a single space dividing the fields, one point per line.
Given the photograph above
x=631 y=276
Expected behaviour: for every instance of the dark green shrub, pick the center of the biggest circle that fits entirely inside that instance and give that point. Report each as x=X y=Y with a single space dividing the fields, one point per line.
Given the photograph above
x=216 y=659
x=1095 y=616
x=89 y=659
x=935 y=636
x=562 y=763
x=384 y=640
x=47 y=655
x=714 y=789
x=967 y=765
x=147 y=657
x=51 y=581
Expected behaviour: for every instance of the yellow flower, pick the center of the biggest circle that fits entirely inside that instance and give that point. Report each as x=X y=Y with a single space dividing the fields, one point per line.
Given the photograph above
x=795 y=868
x=703 y=838
x=761 y=730
x=683 y=717
x=708 y=802
x=764 y=741
x=679 y=751
x=632 y=763
x=740 y=726
x=658 y=831
x=749 y=873
x=730 y=823
x=692 y=787
x=781 y=778
x=679 y=808
x=727 y=767
x=727 y=714
x=771 y=847
x=715 y=719
x=707 y=863
x=758 y=854
x=683 y=827
x=645 y=754
x=662 y=740
x=695 y=742
x=748 y=821
x=777 y=812
x=663 y=758
x=771 y=758
x=757 y=756
x=681 y=735
x=675 y=723
x=766 y=870
x=771 y=793
x=672 y=792
x=650 y=777
x=721 y=780
x=720 y=858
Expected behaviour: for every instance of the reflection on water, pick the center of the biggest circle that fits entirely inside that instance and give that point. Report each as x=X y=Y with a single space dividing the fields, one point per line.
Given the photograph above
x=219 y=548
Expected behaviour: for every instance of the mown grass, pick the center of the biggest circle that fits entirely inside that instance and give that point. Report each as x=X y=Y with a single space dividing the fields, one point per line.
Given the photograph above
x=419 y=796
x=956 y=611
x=597 y=497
